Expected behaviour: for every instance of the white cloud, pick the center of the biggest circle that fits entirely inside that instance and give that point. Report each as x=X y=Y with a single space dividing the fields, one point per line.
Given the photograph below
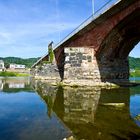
x=27 y=27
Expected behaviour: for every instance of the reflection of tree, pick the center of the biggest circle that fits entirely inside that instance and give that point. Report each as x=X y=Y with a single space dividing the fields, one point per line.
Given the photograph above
x=15 y=90
x=18 y=84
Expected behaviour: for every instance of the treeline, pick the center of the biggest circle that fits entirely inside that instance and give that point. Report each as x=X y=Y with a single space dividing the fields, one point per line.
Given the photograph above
x=134 y=63
x=28 y=62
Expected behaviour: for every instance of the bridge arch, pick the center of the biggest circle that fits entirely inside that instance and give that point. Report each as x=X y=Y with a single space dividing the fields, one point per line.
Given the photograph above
x=122 y=38
x=112 y=56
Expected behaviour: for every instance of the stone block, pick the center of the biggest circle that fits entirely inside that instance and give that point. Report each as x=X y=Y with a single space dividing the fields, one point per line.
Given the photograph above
x=67 y=58
x=66 y=54
x=79 y=55
x=89 y=58
x=84 y=57
x=74 y=62
x=79 y=61
x=72 y=54
x=72 y=58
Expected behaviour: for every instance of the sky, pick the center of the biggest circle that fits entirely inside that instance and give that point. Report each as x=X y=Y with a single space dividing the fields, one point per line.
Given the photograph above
x=27 y=26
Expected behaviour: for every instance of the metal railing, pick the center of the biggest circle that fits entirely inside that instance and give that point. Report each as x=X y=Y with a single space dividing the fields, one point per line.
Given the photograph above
x=97 y=13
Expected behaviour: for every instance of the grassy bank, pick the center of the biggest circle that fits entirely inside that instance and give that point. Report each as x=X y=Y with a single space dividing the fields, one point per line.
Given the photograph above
x=13 y=74
x=136 y=73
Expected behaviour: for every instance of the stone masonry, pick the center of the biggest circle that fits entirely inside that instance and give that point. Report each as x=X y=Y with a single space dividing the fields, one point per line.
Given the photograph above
x=80 y=63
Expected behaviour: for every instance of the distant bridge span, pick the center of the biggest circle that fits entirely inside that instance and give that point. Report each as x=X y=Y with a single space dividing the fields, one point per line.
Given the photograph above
x=99 y=49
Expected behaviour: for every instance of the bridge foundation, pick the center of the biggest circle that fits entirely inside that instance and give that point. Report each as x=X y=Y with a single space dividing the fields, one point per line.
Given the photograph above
x=82 y=64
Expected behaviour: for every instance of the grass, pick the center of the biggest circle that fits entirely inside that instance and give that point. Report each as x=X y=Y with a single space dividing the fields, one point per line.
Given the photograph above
x=135 y=74
x=13 y=74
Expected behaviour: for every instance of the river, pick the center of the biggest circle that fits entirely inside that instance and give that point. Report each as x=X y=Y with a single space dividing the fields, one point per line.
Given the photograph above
x=33 y=110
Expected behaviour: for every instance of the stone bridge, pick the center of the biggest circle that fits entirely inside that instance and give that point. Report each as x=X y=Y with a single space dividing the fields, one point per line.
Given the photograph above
x=98 y=49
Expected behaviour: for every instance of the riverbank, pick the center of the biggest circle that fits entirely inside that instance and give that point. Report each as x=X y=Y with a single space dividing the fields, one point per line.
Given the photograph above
x=135 y=73
x=13 y=74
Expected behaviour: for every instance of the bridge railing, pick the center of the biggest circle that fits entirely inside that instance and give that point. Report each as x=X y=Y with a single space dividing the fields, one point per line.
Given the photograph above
x=97 y=13
x=100 y=11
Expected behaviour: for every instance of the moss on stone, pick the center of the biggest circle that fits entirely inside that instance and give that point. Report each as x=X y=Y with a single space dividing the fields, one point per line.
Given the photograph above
x=51 y=55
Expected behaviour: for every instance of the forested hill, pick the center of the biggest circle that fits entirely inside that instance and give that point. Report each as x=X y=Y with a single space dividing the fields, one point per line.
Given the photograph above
x=134 y=63
x=28 y=61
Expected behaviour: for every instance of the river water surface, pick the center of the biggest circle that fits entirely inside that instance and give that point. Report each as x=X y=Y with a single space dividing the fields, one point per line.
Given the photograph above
x=38 y=111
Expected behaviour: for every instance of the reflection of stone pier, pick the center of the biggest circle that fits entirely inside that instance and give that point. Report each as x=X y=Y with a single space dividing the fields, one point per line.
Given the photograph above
x=80 y=105
x=92 y=113
x=76 y=105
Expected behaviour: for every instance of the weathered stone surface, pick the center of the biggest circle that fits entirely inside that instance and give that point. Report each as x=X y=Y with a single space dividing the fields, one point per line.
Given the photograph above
x=80 y=65
x=46 y=71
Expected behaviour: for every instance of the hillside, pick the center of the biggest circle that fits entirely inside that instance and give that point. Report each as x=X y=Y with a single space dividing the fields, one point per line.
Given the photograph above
x=28 y=62
x=134 y=63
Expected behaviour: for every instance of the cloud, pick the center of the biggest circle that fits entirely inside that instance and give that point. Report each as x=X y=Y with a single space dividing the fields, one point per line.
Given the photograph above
x=26 y=27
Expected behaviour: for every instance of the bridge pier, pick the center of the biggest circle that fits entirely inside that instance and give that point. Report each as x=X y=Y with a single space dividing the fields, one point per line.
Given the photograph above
x=82 y=64
x=116 y=70
x=97 y=51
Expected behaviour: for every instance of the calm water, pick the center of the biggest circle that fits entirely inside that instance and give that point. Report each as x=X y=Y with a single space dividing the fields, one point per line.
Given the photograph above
x=37 y=111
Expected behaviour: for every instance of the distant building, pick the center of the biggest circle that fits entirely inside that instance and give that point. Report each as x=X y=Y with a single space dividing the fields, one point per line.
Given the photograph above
x=16 y=85
x=16 y=66
x=2 y=65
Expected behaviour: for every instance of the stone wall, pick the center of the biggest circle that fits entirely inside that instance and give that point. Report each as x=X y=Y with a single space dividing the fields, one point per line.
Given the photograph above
x=80 y=63
x=46 y=71
x=81 y=67
x=114 y=71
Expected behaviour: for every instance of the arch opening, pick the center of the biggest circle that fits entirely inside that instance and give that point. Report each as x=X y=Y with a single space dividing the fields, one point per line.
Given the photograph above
x=114 y=51
x=134 y=62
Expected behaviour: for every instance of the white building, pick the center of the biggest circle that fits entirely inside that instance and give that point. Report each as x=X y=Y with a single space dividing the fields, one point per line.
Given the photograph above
x=2 y=65
x=16 y=85
x=16 y=66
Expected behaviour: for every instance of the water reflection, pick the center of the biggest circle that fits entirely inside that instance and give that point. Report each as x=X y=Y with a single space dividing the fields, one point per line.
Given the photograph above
x=92 y=113
x=10 y=85
x=1 y=85
x=53 y=113
x=23 y=114
x=135 y=104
